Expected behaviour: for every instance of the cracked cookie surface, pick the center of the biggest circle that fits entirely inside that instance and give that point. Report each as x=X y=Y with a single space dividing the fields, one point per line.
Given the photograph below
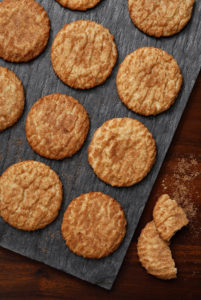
x=94 y=225
x=148 y=81
x=24 y=30
x=11 y=98
x=78 y=4
x=154 y=253
x=57 y=126
x=30 y=195
x=160 y=18
x=83 y=54
x=122 y=152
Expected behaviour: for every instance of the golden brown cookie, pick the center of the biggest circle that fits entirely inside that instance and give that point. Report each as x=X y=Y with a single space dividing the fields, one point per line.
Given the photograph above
x=154 y=253
x=30 y=195
x=57 y=126
x=24 y=30
x=11 y=98
x=160 y=18
x=94 y=225
x=83 y=54
x=168 y=216
x=122 y=152
x=78 y=4
x=148 y=81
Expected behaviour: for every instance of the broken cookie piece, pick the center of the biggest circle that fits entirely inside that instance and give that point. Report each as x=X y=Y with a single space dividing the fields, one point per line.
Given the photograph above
x=154 y=253
x=168 y=216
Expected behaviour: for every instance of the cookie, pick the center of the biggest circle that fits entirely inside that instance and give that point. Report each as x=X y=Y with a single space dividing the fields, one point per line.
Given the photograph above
x=154 y=253
x=83 y=54
x=11 y=98
x=160 y=18
x=94 y=225
x=57 y=126
x=122 y=152
x=78 y=4
x=168 y=216
x=24 y=30
x=30 y=195
x=148 y=81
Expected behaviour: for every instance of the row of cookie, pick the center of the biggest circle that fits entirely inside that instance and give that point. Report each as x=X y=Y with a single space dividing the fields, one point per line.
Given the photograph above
x=31 y=196
x=29 y=38
x=153 y=17
x=93 y=225
x=122 y=150
x=148 y=82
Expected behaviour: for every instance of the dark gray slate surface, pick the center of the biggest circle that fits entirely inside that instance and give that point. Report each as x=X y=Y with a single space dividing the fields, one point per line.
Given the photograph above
x=102 y=103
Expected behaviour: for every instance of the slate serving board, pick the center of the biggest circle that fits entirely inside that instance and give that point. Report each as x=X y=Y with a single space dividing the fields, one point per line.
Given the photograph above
x=102 y=103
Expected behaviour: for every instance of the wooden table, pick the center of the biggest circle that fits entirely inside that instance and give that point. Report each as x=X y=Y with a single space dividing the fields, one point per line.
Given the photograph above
x=21 y=278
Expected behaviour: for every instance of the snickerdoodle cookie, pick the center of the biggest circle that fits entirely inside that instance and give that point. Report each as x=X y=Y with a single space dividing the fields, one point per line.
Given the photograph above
x=83 y=54
x=122 y=152
x=94 y=225
x=148 y=81
x=168 y=216
x=78 y=4
x=57 y=126
x=30 y=195
x=154 y=253
x=160 y=18
x=11 y=98
x=24 y=30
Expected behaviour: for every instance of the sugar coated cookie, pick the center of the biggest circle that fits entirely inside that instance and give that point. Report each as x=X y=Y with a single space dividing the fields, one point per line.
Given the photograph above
x=122 y=152
x=83 y=54
x=30 y=195
x=24 y=30
x=168 y=216
x=154 y=253
x=148 y=81
x=94 y=225
x=78 y=4
x=11 y=98
x=160 y=18
x=57 y=126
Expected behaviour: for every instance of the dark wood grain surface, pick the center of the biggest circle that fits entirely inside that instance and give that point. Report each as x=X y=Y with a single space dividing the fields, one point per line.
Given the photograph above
x=22 y=278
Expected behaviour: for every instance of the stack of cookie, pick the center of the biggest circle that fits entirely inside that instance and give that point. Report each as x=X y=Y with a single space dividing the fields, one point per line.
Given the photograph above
x=122 y=150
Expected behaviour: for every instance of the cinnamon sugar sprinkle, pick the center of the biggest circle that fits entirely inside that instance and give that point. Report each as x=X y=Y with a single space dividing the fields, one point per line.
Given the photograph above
x=182 y=185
